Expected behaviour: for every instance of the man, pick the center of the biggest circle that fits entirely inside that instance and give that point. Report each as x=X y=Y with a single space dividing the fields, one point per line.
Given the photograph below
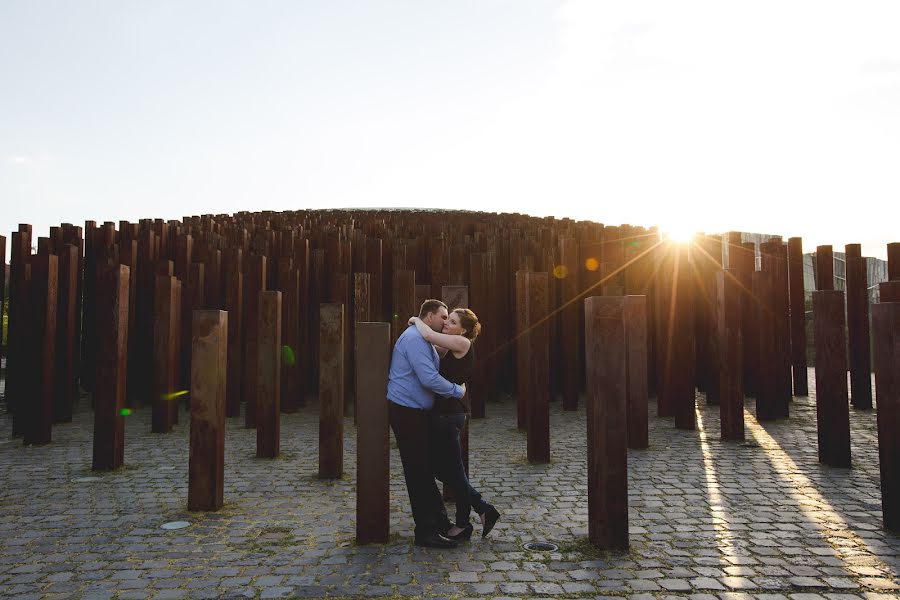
x=412 y=383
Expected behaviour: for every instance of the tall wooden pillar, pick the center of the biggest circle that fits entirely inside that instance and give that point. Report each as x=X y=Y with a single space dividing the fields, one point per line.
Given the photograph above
x=404 y=294
x=234 y=304
x=570 y=333
x=39 y=364
x=113 y=284
x=331 y=391
x=824 y=268
x=729 y=350
x=254 y=284
x=166 y=336
x=886 y=329
x=682 y=371
x=858 y=328
x=832 y=412
x=288 y=282
x=605 y=398
x=537 y=304
x=635 y=316
x=373 y=357
x=268 y=375
x=65 y=392
x=797 y=295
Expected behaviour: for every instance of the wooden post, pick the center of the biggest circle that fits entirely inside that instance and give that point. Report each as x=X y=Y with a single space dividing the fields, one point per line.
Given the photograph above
x=570 y=335
x=537 y=304
x=167 y=301
x=65 y=378
x=254 y=283
x=404 y=295
x=886 y=326
x=893 y=260
x=766 y=394
x=635 y=315
x=373 y=357
x=522 y=347
x=889 y=291
x=729 y=349
x=3 y=288
x=479 y=297
x=268 y=375
x=288 y=282
x=824 y=268
x=362 y=313
x=798 y=316
x=112 y=347
x=234 y=304
x=858 y=328
x=605 y=397
x=331 y=391
x=682 y=374
x=206 y=468
x=832 y=412
x=39 y=366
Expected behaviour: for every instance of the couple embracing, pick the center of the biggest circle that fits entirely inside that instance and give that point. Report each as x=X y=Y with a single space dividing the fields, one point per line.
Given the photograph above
x=430 y=364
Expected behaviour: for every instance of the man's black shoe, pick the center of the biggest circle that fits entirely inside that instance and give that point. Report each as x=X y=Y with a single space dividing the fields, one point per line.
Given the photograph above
x=435 y=540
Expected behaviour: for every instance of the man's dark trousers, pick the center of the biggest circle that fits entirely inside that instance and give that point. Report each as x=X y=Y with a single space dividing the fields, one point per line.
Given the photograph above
x=411 y=432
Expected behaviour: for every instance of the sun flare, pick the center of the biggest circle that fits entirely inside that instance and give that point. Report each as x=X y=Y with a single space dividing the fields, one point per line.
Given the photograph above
x=679 y=233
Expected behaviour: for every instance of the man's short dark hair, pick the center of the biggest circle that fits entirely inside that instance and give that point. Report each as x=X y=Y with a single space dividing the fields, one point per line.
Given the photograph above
x=430 y=306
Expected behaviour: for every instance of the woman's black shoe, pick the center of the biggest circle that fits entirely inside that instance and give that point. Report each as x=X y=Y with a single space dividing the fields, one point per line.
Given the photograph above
x=463 y=535
x=435 y=540
x=491 y=516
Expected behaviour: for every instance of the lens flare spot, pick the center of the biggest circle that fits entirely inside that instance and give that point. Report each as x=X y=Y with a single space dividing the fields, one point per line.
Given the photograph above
x=174 y=395
x=560 y=271
x=287 y=356
x=125 y=412
x=592 y=264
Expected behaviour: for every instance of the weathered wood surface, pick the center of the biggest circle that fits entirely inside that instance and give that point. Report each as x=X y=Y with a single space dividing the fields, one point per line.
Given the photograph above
x=113 y=284
x=886 y=329
x=331 y=391
x=832 y=412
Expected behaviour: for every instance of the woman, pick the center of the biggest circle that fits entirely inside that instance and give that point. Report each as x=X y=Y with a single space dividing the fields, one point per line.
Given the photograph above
x=454 y=344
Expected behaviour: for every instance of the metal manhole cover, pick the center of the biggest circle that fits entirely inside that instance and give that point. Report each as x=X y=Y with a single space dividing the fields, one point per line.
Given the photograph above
x=175 y=525
x=541 y=546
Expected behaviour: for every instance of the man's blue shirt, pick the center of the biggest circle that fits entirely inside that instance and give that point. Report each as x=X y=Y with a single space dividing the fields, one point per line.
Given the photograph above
x=414 y=376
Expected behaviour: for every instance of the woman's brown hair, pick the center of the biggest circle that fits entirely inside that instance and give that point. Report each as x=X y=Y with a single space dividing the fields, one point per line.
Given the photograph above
x=469 y=322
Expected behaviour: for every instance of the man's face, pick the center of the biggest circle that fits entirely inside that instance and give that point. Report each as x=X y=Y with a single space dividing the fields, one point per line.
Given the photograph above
x=436 y=319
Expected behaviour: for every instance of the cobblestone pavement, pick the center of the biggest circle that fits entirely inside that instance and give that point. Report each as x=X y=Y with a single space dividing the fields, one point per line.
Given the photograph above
x=759 y=519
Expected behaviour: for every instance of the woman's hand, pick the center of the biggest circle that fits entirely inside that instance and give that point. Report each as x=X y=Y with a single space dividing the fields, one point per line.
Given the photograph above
x=413 y=321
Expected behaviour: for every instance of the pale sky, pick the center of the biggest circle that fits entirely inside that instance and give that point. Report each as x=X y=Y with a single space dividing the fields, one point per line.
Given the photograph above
x=774 y=117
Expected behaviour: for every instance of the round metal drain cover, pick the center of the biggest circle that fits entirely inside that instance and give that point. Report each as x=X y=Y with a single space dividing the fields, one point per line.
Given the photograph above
x=176 y=525
x=85 y=479
x=541 y=546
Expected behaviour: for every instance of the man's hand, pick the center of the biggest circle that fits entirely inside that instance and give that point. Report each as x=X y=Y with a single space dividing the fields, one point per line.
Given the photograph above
x=463 y=386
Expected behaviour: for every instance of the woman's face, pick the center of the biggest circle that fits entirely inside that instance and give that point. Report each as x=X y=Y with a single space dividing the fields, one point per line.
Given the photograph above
x=453 y=326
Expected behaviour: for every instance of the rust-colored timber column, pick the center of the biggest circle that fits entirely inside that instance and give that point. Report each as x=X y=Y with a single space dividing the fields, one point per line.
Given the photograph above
x=635 y=315
x=141 y=336
x=570 y=337
x=682 y=374
x=191 y=300
x=128 y=256
x=113 y=284
x=781 y=307
x=268 y=376
x=729 y=350
x=832 y=412
x=89 y=309
x=886 y=327
x=404 y=295
x=537 y=305
x=254 y=283
x=766 y=398
x=373 y=264
x=605 y=398
x=373 y=358
x=798 y=316
x=521 y=343
x=479 y=294
x=362 y=313
x=288 y=282
x=824 y=268
x=39 y=366
x=2 y=287
x=331 y=391
x=234 y=303
x=858 y=328
x=342 y=293
x=304 y=367
x=663 y=318
x=742 y=258
x=889 y=291
x=65 y=380
x=893 y=260
x=206 y=470
x=17 y=334
x=166 y=303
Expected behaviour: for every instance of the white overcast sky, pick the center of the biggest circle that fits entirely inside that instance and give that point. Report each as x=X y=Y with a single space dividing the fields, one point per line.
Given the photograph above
x=778 y=117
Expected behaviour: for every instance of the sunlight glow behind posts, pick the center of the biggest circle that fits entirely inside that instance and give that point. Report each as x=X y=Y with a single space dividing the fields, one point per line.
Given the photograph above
x=681 y=233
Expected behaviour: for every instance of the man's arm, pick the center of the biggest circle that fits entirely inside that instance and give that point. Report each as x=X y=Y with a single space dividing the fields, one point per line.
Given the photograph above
x=422 y=363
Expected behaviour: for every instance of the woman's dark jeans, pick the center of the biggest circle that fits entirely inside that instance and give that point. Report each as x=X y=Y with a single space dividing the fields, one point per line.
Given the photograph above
x=448 y=463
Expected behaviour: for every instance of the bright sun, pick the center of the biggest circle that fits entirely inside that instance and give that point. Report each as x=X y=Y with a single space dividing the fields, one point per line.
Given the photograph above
x=681 y=232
